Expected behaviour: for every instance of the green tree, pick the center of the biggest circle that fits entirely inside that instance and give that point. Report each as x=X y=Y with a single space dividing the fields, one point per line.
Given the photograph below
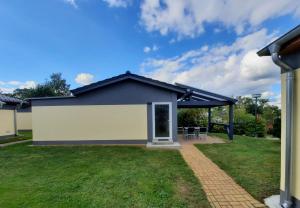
x=56 y=86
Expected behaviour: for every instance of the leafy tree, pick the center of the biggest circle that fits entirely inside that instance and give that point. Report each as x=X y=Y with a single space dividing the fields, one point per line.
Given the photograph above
x=56 y=86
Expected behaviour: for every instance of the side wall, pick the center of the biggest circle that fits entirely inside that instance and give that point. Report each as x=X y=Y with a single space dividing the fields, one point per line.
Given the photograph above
x=24 y=121
x=90 y=122
x=7 y=122
x=296 y=137
x=125 y=93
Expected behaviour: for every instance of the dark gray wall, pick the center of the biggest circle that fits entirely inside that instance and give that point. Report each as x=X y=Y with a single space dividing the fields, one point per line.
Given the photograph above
x=123 y=93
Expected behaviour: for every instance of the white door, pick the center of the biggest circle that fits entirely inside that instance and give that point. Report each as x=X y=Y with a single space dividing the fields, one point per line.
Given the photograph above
x=162 y=121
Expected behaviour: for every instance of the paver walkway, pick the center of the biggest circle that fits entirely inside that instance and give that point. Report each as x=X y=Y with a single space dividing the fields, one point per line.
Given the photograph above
x=221 y=189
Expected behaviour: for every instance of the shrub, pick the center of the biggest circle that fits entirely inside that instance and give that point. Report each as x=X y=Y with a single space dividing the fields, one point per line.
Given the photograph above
x=192 y=117
x=245 y=124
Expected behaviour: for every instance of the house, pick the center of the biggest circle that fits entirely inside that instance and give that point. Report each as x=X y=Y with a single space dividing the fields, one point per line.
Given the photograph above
x=285 y=52
x=8 y=106
x=125 y=109
x=24 y=120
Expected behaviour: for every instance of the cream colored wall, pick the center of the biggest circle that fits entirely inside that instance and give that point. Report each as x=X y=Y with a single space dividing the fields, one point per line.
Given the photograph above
x=89 y=122
x=7 y=126
x=296 y=136
x=24 y=121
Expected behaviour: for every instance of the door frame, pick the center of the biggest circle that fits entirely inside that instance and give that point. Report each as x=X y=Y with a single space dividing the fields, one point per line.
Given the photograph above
x=170 y=122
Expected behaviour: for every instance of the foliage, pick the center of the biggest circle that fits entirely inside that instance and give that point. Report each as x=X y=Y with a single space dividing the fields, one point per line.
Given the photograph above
x=249 y=104
x=246 y=124
x=56 y=86
x=253 y=163
x=96 y=176
x=192 y=117
x=268 y=118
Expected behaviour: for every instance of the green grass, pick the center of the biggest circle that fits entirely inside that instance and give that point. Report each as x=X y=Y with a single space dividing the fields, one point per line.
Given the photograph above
x=22 y=135
x=253 y=163
x=96 y=176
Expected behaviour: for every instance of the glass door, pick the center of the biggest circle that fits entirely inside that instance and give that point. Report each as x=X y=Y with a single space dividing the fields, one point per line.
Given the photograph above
x=162 y=121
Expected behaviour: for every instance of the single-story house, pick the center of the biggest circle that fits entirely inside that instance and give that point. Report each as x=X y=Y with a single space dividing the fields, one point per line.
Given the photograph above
x=285 y=52
x=125 y=109
x=8 y=124
x=24 y=120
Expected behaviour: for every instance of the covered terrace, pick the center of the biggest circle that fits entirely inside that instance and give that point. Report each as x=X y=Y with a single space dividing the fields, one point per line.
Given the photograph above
x=197 y=98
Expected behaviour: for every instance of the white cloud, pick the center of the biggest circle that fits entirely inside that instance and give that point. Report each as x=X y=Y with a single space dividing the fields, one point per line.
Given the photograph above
x=14 y=83
x=118 y=3
x=187 y=18
x=148 y=49
x=232 y=69
x=28 y=84
x=84 y=78
x=10 y=86
x=72 y=3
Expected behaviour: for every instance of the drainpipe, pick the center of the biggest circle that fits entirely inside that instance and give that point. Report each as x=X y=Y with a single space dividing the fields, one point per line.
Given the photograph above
x=287 y=203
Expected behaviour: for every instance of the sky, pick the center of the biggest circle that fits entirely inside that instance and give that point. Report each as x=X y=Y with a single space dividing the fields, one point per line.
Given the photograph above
x=209 y=44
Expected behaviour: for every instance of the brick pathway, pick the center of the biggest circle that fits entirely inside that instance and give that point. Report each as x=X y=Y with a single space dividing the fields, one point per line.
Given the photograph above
x=221 y=190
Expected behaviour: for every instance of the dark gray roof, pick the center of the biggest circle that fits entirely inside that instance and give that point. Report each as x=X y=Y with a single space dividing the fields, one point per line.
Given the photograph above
x=123 y=77
x=203 y=95
x=189 y=96
x=295 y=32
x=9 y=100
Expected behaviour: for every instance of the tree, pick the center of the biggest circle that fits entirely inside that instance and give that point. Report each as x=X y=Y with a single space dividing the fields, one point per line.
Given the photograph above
x=56 y=86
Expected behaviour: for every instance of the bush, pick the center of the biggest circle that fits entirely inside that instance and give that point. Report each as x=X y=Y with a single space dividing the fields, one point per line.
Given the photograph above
x=245 y=124
x=192 y=117
x=276 y=132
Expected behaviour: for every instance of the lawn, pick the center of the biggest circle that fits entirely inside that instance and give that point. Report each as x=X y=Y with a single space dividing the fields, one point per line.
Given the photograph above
x=96 y=176
x=22 y=135
x=253 y=163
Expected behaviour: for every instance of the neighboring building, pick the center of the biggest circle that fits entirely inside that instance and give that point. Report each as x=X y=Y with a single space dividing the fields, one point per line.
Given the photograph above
x=285 y=52
x=24 y=118
x=126 y=109
x=8 y=106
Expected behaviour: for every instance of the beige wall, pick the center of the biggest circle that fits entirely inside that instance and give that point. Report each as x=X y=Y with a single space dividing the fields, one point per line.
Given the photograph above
x=24 y=121
x=7 y=126
x=89 y=122
x=296 y=140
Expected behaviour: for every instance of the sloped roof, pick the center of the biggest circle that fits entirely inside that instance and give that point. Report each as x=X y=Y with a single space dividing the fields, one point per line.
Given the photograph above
x=9 y=100
x=126 y=76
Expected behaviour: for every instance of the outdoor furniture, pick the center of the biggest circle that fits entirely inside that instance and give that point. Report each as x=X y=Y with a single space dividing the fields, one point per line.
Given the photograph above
x=189 y=132
x=195 y=132
x=203 y=132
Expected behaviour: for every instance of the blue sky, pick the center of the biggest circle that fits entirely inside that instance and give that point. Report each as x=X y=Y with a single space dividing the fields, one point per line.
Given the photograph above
x=201 y=43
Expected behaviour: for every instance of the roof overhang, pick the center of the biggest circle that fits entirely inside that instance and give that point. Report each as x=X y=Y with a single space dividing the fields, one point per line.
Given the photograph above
x=288 y=42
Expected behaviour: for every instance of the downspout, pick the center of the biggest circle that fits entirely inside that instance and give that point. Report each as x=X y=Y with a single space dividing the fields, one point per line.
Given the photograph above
x=287 y=199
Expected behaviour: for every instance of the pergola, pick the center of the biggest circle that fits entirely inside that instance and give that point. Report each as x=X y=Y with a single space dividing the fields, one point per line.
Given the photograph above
x=197 y=98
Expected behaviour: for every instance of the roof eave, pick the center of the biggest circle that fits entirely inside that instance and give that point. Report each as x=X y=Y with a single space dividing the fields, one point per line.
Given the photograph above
x=280 y=41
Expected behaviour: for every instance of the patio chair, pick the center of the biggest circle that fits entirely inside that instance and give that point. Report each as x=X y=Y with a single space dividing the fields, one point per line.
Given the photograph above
x=189 y=132
x=203 y=132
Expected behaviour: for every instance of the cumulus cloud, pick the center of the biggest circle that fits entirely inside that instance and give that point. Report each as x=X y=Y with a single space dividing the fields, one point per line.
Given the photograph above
x=118 y=3
x=72 y=3
x=187 y=18
x=10 y=86
x=148 y=49
x=84 y=78
x=232 y=69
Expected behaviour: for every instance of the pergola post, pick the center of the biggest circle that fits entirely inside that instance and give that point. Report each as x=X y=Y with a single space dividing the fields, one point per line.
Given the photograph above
x=230 y=133
x=209 y=119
